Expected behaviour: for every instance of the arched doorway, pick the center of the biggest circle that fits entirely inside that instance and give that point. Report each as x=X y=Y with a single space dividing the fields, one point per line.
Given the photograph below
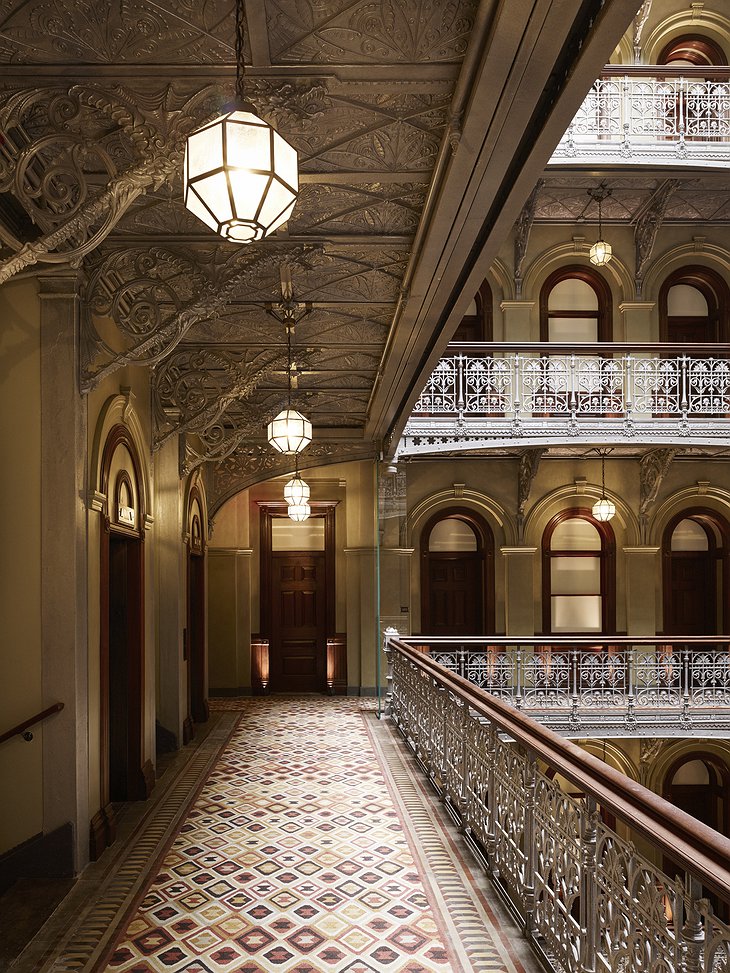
x=477 y=323
x=699 y=783
x=696 y=580
x=124 y=774
x=694 y=305
x=195 y=647
x=457 y=575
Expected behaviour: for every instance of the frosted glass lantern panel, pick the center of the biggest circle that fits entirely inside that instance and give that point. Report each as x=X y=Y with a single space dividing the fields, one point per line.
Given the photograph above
x=285 y=162
x=452 y=535
x=688 y=535
x=575 y=534
x=576 y=613
x=287 y=535
x=684 y=300
x=575 y=575
x=572 y=330
x=214 y=193
x=205 y=150
x=248 y=143
x=278 y=199
x=572 y=294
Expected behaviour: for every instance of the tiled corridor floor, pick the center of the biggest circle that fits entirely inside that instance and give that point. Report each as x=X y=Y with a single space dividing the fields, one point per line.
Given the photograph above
x=312 y=846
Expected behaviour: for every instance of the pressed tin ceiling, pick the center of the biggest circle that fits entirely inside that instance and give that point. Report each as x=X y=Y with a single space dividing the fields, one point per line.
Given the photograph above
x=421 y=126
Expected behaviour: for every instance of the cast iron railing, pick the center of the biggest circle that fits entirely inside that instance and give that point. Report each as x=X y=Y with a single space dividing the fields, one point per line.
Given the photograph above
x=584 y=685
x=676 y=115
x=499 y=393
x=586 y=899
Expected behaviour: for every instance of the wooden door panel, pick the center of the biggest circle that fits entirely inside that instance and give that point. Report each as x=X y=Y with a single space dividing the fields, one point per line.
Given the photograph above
x=298 y=635
x=455 y=594
x=691 y=609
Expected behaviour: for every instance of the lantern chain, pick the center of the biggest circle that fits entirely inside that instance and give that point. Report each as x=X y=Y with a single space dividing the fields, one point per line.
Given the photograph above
x=240 y=41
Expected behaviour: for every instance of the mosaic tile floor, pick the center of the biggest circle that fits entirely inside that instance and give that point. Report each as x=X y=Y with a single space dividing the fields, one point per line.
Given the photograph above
x=295 y=857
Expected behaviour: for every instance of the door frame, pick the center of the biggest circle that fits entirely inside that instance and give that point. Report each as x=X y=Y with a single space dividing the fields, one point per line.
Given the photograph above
x=722 y=610
x=276 y=510
x=103 y=823
x=485 y=550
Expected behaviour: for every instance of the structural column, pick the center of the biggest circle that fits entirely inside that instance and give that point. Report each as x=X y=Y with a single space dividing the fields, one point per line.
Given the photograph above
x=64 y=564
x=637 y=321
x=362 y=637
x=171 y=587
x=643 y=567
x=517 y=320
x=519 y=597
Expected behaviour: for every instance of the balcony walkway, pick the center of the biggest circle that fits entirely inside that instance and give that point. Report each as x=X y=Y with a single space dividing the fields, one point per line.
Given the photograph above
x=298 y=837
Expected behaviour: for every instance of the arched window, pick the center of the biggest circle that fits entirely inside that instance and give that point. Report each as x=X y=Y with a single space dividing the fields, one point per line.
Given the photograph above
x=578 y=575
x=694 y=306
x=575 y=307
x=476 y=325
x=457 y=575
x=696 y=581
x=692 y=50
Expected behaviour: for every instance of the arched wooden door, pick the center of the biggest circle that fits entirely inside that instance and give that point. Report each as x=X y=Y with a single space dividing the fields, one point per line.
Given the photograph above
x=457 y=575
x=695 y=573
x=197 y=694
x=124 y=774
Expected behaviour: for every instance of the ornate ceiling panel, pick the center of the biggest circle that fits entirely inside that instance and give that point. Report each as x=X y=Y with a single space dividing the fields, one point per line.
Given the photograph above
x=561 y=199
x=385 y=101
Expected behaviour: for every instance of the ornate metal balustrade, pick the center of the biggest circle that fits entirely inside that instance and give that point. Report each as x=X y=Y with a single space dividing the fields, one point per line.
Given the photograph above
x=583 y=686
x=521 y=395
x=657 y=120
x=586 y=899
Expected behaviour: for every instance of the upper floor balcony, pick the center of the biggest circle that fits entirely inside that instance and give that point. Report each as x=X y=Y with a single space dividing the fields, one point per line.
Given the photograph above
x=654 y=115
x=499 y=394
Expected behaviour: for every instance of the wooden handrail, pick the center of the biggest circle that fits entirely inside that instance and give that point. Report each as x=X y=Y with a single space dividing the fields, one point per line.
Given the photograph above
x=696 y=72
x=566 y=641
x=701 y=850
x=38 y=718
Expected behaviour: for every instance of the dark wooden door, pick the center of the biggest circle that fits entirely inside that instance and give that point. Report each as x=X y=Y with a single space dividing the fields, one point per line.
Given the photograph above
x=455 y=594
x=690 y=607
x=684 y=330
x=126 y=781
x=196 y=638
x=297 y=653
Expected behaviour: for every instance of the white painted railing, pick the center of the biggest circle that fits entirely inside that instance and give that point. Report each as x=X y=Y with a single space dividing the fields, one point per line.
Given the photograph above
x=586 y=899
x=651 y=120
x=586 y=685
x=476 y=400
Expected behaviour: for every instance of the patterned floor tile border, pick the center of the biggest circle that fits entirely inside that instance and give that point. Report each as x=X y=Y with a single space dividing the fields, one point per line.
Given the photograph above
x=81 y=929
x=482 y=931
x=293 y=858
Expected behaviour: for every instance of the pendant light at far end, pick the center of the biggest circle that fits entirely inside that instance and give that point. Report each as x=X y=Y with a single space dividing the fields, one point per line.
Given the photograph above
x=299 y=511
x=296 y=491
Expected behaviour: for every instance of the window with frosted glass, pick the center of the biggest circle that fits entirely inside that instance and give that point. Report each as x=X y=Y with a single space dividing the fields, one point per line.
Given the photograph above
x=576 y=599
x=572 y=312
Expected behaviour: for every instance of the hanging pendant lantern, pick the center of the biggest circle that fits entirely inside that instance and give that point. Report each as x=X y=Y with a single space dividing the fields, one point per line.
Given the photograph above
x=240 y=176
x=289 y=432
x=601 y=252
x=299 y=511
x=296 y=491
x=604 y=509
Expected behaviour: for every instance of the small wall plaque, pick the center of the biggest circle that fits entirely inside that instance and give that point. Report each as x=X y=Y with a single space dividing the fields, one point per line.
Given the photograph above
x=125 y=515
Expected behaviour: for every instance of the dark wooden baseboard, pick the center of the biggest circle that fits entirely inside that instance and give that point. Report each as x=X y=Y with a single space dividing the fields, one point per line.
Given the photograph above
x=42 y=856
x=149 y=778
x=188 y=730
x=102 y=831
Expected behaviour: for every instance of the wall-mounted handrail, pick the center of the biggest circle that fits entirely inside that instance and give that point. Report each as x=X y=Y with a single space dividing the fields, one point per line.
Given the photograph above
x=38 y=718
x=567 y=641
x=702 y=851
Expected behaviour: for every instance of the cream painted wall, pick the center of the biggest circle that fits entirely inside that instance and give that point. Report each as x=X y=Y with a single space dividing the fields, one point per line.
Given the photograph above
x=21 y=782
